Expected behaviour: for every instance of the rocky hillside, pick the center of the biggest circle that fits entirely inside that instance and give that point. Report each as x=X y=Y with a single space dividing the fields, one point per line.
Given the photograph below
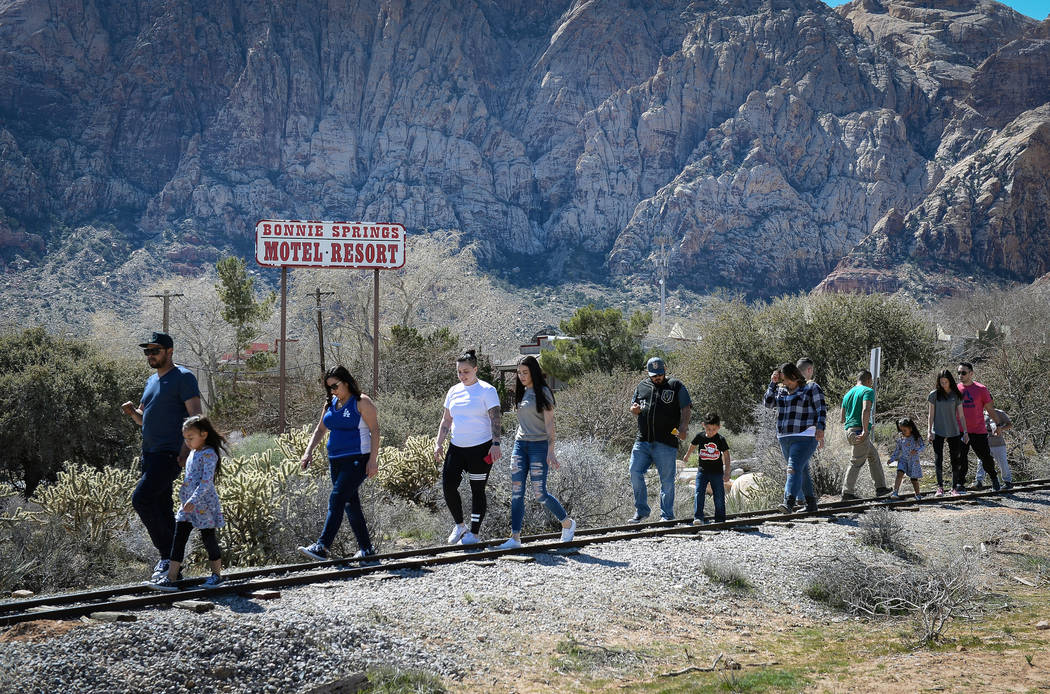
x=762 y=139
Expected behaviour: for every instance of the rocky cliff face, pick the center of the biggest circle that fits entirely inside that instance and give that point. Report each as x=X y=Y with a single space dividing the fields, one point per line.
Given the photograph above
x=986 y=214
x=761 y=140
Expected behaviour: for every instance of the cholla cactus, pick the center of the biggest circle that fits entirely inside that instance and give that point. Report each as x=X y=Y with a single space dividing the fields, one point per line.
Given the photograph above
x=97 y=502
x=250 y=490
x=293 y=444
x=405 y=472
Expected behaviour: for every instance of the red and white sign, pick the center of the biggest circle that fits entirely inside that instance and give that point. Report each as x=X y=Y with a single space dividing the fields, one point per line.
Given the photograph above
x=289 y=243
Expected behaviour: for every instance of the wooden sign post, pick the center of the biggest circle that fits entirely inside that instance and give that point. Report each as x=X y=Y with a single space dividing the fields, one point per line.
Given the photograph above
x=352 y=245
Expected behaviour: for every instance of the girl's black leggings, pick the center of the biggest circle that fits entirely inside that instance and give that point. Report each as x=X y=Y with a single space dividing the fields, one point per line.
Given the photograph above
x=472 y=461
x=182 y=534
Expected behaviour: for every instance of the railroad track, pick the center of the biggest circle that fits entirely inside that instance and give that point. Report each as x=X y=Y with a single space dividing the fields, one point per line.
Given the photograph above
x=130 y=597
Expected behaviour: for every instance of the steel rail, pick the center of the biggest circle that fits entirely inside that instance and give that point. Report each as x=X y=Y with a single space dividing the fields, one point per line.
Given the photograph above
x=72 y=605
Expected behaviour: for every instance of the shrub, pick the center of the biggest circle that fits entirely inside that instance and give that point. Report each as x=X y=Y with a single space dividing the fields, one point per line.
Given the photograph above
x=596 y=406
x=729 y=575
x=80 y=390
x=881 y=528
x=933 y=595
x=407 y=472
x=592 y=484
x=404 y=414
x=92 y=502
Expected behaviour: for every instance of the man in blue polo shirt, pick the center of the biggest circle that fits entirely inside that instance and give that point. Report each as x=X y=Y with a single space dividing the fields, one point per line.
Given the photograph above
x=171 y=395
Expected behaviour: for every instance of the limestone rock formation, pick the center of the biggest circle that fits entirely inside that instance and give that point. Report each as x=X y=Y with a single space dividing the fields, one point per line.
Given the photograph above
x=763 y=140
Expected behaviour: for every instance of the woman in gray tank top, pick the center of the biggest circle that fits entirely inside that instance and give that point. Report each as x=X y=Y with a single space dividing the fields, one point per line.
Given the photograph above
x=533 y=450
x=947 y=423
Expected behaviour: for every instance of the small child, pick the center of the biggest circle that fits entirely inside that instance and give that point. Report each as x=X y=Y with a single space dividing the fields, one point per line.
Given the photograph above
x=200 y=502
x=713 y=468
x=909 y=443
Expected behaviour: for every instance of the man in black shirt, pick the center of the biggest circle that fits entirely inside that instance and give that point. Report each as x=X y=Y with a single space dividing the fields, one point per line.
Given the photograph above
x=663 y=408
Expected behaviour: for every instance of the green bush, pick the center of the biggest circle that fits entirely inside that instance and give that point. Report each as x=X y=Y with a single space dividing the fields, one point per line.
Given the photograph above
x=403 y=414
x=60 y=401
x=742 y=344
x=605 y=342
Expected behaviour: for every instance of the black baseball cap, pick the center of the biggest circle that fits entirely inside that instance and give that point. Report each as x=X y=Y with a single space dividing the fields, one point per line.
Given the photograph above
x=162 y=339
x=655 y=366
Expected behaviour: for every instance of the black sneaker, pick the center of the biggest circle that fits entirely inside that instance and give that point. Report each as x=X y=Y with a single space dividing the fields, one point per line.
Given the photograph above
x=365 y=554
x=846 y=496
x=978 y=486
x=1008 y=485
x=882 y=491
x=160 y=570
x=164 y=585
x=315 y=551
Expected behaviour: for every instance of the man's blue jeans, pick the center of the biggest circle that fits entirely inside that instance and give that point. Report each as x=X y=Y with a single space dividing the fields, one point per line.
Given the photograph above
x=797 y=451
x=646 y=454
x=718 y=493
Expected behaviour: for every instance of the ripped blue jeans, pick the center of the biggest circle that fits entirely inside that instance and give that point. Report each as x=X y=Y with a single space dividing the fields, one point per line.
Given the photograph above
x=530 y=457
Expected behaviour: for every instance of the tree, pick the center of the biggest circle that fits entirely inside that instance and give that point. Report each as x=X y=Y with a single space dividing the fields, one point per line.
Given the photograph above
x=419 y=363
x=198 y=327
x=60 y=401
x=605 y=341
x=245 y=313
x=727 y=371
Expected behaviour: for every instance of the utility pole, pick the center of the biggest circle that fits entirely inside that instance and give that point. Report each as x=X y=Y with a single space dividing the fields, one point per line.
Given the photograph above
x=320 y=327
x=166 y=297
x=661 y=266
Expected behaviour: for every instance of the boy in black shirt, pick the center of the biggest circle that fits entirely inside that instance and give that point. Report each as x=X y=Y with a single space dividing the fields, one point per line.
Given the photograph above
x=713 y=468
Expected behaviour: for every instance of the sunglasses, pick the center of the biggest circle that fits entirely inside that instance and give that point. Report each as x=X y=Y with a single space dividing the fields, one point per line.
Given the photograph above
x=962 y=373
x=332 y=386
x=152 y=351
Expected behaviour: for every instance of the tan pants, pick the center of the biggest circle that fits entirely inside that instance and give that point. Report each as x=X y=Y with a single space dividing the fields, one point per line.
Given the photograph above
x=863 y=452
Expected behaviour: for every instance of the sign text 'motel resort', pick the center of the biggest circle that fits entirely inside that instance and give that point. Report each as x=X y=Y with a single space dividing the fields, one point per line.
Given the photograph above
x=329 y=244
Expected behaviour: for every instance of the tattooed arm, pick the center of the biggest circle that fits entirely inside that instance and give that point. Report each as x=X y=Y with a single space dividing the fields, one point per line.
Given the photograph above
x=497 y=434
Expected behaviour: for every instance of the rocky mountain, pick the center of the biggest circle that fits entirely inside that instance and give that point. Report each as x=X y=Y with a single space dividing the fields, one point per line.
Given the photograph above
x=768 y=143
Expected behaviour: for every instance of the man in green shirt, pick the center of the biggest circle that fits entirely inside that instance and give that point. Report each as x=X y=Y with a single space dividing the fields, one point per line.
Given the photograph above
x=856 y=417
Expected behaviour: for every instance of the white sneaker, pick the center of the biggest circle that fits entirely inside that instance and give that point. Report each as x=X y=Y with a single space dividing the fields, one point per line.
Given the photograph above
x=457 y=532
x=568 y=533
x=468 y=538
x=509 y=544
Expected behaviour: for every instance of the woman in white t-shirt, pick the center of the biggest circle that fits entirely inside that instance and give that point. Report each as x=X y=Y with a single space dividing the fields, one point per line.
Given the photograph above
x=472 y=417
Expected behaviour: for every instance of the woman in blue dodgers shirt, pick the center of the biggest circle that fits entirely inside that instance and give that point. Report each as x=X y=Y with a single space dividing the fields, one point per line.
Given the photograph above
x=352 y=449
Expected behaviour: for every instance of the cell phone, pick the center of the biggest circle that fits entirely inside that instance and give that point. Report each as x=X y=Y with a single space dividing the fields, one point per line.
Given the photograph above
x=488 y=458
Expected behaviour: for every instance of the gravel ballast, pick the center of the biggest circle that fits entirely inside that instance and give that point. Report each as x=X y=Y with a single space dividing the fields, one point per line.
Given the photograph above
x=461 y=621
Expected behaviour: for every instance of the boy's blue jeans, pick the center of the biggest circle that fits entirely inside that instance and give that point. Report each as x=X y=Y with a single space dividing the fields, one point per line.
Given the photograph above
x=718 y=492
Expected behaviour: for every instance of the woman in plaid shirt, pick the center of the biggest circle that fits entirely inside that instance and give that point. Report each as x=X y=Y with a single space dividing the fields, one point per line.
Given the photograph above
x=800 y=429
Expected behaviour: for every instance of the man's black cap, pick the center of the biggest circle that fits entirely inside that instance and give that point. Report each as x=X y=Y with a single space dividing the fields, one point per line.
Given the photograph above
x=162 y=339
